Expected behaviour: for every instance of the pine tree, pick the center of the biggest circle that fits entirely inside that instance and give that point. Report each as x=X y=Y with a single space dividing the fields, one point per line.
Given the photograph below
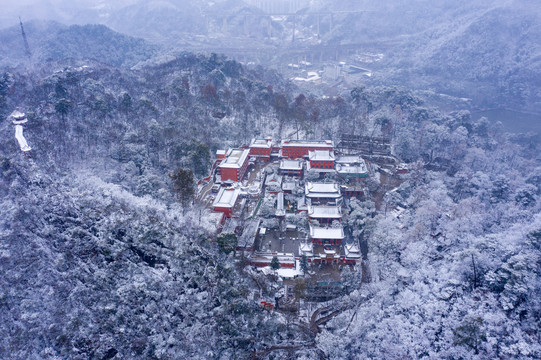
x=275 y=263
x=183 y=185
x=227 y=242
x=304 y=264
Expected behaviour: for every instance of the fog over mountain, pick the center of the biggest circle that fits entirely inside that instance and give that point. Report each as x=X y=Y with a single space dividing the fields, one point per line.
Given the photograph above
x=487 y=52
x=270 y=179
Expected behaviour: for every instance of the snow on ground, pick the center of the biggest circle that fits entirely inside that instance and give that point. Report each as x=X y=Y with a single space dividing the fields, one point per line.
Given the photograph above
x=20 y=138
x=284 y=273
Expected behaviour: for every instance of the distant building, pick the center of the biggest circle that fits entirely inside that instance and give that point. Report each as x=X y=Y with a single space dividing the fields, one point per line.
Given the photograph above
x=352 y=254
x=289 y=186
x=322 y=192
x=234 y=166
x=291 y=167
x=301 y=204
x=321 y=159
x=325 y=215
x=280 y=205
x=220 y=154
x=306 y=249
x=273 y=183
x=296 y=149
x=351 y=167
x=264 y=258
x=18 y=117
x=329 y=256
x=217 y=218
x=247 y=239
x=261 y=148
x=401 y=169
x=331 y=72
x=353 y=190
x=226 y=200
x=326 y=236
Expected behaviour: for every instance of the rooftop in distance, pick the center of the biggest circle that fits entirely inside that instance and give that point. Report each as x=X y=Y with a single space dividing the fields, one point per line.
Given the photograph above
x=291 y=164
x=235 y=158
x=324 y=212
x=308 y=143
x=321 y=155
x=261 y=143
x=226 y=198
x=322 y=188
x=317 y=232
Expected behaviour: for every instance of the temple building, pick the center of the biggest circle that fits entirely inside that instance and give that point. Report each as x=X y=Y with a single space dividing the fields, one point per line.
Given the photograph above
x=291 y=167
x=325 y=215
x=317 y=193
x=297 y=149
x=226 y=200
x=321 y=159
x=234 y=166
x=261 y=148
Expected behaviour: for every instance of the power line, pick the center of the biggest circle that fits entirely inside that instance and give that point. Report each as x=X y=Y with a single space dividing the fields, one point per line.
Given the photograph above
x=26 y=47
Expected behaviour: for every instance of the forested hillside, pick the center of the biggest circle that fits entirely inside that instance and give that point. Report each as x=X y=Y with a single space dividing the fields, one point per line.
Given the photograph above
x=99 y=260
x=474 y=49
x=51 y=41
x=487 y=51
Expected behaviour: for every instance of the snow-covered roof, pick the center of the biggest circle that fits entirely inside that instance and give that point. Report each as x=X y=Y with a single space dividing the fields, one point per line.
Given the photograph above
x=310 y=76
x=358 y=166
x=291 y=164
x=261 y=256
x=308 y=143
x=17 y=115
x=235 y=158
x=306 y=248
x=230 y=225
x=349 y=159
x=20 y=138
x=352 y=169
x=249 y=234
x=280 y=209
x=322 y=190
x=273 y=179
x=289 y=186
x=309 y=168
x=352 y=251
x=261 y=143
x=215 y=217
x=353 y=187
x=327 y=212
x=226 y=198
x=288 y=273
x=254 y=188
x=317 y=232
x=321 y=155
x=220 y=152
x=301 y=204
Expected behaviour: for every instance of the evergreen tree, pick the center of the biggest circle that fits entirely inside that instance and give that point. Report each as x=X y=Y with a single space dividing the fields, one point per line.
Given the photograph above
x=183 y=185
x=470 y=334
x=275 y=263
x=304 y=264
x=227 y=242
x=62 y=107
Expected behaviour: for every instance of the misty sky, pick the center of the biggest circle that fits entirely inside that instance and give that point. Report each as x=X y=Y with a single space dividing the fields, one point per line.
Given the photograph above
x=66 y=11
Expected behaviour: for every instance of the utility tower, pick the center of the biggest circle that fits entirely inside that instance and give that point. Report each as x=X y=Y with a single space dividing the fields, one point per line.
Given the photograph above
x=26 y=47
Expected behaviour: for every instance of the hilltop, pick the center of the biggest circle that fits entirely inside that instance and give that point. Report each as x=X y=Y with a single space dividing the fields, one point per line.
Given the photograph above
x=51 y=41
